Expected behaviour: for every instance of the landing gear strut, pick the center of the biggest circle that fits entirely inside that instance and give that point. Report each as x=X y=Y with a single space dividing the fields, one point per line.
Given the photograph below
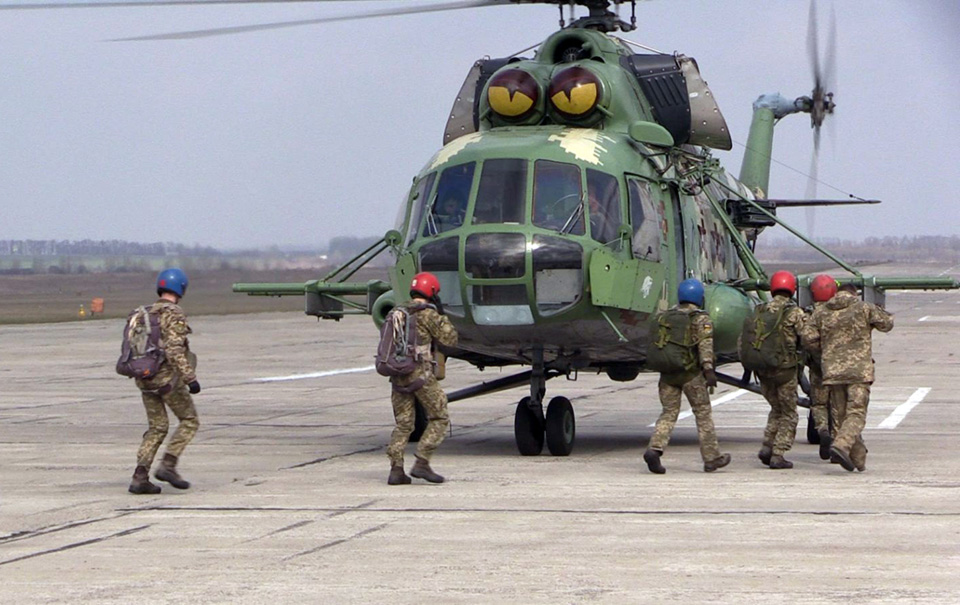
x=530 y=424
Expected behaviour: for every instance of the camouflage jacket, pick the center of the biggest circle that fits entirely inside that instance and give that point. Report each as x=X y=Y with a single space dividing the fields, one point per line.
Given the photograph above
x=432 y=329
x=812 y=354
x=180 y=362
x=701 y=331
x=841 y=331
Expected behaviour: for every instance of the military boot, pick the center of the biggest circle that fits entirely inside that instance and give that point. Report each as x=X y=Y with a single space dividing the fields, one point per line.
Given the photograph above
x=168 y=472
x=843 y=457
x=765 y=453
x=421 y=470
x=141 y=482
x=712 y=465
x=779 y=462
x=858 y=455
x=397 y=476
x=825 y=441
x=652 y=458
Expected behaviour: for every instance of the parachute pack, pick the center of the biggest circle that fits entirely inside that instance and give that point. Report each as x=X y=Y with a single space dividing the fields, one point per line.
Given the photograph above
x=397 y=352
x=763 y=345
x=673 y=351
x=141 y=353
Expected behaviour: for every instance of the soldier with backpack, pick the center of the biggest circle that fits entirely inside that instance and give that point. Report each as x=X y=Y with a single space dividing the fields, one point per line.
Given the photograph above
x=768 y=347
x=157 y=354
x=683 y=354
x=409 y=339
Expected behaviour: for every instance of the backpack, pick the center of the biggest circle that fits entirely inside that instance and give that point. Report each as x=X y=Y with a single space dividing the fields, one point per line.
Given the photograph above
x=141 y=353
x=673 y=350
x=763 y=345
x=397 y=352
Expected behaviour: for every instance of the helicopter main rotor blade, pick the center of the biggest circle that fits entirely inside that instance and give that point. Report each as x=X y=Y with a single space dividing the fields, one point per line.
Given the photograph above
x=243 y=29
x=29 y=4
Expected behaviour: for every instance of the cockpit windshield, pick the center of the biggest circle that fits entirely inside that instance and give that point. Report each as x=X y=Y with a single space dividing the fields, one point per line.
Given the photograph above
x=450 y=204
x=558 y=197
x=502 y=192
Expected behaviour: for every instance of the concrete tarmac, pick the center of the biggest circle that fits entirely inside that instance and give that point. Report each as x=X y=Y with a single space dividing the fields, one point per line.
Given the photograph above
x=290 y=504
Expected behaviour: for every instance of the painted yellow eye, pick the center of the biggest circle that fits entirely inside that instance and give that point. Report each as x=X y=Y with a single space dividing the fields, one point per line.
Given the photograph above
x=513 y=93
x=574 y=92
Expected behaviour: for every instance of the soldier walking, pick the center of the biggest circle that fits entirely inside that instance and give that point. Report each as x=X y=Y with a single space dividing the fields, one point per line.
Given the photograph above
x=822 y=288
x=769 y=347
x=171 y=387
x=683 y=352
x=433 y=328
x=842 y=331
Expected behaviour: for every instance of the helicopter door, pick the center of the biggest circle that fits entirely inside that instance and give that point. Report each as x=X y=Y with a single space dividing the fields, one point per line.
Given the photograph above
x=680 y=249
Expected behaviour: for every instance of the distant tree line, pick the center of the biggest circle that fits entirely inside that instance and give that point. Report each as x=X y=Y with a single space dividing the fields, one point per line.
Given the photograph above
x=870 y=249
x=88 y=247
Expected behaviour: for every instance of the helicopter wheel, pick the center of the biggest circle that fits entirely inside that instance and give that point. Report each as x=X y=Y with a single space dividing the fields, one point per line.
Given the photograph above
x=813 y=437
x=561 y=426
x=419 y=422
x=528 y=429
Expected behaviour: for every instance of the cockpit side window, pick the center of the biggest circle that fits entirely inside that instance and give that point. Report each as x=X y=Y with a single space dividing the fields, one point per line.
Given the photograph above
x=502 y=192
x=450 y=203
x=558 y=197
x=603 y=191
x=419 y=201
x=647 y=221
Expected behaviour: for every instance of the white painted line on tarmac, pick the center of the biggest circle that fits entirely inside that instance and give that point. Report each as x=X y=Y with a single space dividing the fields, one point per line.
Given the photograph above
x=891 y=421
x=941 y=318
x=713 y=404
x=946 y=271
x=924 y=318
x=315 y=374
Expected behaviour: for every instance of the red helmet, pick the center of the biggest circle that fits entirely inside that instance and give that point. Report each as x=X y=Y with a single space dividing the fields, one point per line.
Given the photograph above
x=823 y=287
x=783 y=281
x=425 y=284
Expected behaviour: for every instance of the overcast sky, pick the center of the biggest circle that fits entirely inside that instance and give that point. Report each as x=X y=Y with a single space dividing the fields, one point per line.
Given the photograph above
x=295 y=136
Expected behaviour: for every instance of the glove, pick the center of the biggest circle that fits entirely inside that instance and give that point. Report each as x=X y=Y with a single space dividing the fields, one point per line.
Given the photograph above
x=711 y=377
x=194 y=387
x=436 y=303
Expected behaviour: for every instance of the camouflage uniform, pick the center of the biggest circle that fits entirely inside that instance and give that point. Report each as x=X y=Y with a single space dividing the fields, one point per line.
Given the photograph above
x=841 y=330
x=694 y=386
x=779 y=388
x=168 y=388
x=432 y=328
x=819 y=392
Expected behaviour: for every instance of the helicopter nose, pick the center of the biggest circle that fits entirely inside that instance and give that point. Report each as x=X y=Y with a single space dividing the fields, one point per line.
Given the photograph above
x=506 y=278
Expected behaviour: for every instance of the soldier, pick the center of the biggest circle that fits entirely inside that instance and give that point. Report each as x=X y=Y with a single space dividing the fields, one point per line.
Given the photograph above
x=170 y=387
x=433 y=328
x=822 y=288
x=841 y=330
x=687 y=331
x=773 y=333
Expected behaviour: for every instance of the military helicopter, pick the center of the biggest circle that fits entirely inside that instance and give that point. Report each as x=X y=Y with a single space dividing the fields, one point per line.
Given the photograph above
x=575 y=189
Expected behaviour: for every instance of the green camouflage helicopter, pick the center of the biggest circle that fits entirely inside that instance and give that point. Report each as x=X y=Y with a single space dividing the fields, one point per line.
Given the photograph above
x=574 y=191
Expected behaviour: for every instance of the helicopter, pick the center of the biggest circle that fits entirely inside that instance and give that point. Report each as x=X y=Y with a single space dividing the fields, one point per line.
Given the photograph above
x=575 y=189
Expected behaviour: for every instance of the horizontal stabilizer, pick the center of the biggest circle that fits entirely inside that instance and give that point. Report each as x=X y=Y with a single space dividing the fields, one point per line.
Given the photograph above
x=799 y=203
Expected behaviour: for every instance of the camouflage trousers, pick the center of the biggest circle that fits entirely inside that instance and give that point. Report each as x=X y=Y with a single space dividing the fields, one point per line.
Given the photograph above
x=434 y=401
x=849 y=405
x=780 y=391
x=181 y=404
x=696 y=391
x=819 y=401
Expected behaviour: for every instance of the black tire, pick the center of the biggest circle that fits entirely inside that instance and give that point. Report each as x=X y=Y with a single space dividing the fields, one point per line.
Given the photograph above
x=419 y=422
x=813 y=437
x=528 y=429
x=561 y=426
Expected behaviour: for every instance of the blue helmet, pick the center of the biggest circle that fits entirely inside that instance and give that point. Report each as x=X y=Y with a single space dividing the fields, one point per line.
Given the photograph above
x=172 y=280
x=690 y=291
